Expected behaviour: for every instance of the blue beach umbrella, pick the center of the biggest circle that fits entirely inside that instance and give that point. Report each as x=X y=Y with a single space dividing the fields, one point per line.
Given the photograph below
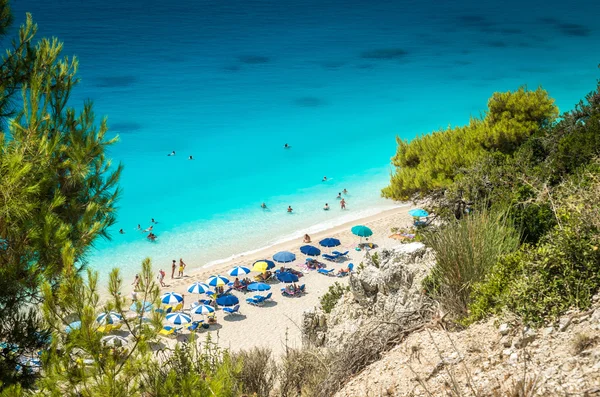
x=171 y=298
x=227 y=300
x=140 y=307
x=239 y=271
x=178 y=318
x=73 y=326
x=258 y=287
x=204 y=309
x=284 y=257
x=217 y=281
x=310 y=250
x=329 y=242
x=270 y=264
x=287 y=277
x=109 y=317
x=362 y=231
x=418 y=213
x=198 y=288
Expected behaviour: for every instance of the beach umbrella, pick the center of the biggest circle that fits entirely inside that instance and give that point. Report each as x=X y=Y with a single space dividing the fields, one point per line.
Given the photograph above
x=204 y=309
x=198 y=288
x=262 y=266
x=310 y=250
x=178 y=318
x=287 y=277
x=284 y=257
x=114 y=340
x=171 y=298
x=418 y=213
x=217 y=281
x=210 y=292
x=329 y=242
x=109 y=318
x=239 y=271
x=227 y=300
x=258 y=287
x=362 y=231
x=73 y=326
x=141 y=307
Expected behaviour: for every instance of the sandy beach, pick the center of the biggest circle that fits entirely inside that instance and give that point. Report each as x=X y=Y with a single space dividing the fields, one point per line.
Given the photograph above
x=277 y=323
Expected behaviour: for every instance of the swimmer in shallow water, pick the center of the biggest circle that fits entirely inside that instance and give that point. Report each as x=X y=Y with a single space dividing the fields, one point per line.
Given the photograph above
x=324 y=179
x=345 y=191
x=326 y=208
x=289 y=210
x=286 y=146
x=263 y=206
x=339 y=196
x=171 y=154
x=191 y=158
x=122 y=231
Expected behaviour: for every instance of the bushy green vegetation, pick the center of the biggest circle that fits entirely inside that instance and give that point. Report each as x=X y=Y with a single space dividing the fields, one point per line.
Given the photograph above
x=332 y=296
x=547 y=184
x=432 y=161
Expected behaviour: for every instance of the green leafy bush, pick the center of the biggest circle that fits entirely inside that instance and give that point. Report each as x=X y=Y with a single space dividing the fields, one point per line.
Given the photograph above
x=330 y=298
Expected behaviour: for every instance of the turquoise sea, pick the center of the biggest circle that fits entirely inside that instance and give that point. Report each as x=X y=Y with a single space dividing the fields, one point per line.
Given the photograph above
x=230 y=82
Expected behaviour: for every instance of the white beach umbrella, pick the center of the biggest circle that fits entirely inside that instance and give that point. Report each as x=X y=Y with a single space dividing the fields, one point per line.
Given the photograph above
x=171 y=298
x=109 y=317
x=204 y=309
x=114 y=340
x=178 y=318
x=198 y=288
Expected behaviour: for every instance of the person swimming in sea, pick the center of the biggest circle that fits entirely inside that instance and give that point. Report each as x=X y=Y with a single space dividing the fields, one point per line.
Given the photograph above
x=324 y=179
x=139 y=227
x=171 y=154
x=326 y=208
x=122 y=231
x=339 y=196
x=152 y=236
x=263 y=206
x=289 y=210
x=153 y=221
x=190 y=158
x=345 y=191
x=286 y=146
x=149 y=229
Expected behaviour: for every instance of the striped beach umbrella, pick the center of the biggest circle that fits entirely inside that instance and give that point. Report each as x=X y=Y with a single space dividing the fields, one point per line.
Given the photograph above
x=171 y=298
x=217 y=281
x=204 y=309
x=114 y=340
x=108 y=318
x=141 y=307
x=198 y=288
x=178 y=318
x=73 y=326
x=239 y=271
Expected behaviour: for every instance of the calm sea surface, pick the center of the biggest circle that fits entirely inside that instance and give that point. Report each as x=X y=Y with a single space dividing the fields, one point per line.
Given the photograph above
x=230 y=82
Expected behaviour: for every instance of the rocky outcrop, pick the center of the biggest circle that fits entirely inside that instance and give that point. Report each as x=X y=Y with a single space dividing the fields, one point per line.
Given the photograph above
x=384 y=294
x=490 y=359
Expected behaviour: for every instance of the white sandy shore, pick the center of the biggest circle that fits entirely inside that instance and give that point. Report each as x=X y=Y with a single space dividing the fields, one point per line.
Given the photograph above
x=277 y=323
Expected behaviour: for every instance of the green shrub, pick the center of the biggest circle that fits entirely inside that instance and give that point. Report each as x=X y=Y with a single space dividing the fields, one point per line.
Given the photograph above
x=301 y=373
x=330 y=298
x=465 y=252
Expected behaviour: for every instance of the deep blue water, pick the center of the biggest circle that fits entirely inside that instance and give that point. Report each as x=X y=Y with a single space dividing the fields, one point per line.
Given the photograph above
x=231 y=81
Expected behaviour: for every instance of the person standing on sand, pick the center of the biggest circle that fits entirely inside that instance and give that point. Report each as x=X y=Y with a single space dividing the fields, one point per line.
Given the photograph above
x=343 y=204
x=136 y=282
x=173 y=267
x=161 y=277
x=182 y=266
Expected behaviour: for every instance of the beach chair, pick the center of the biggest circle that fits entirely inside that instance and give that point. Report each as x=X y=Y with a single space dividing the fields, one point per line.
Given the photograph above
x=232 y=310
x=105 y=328
x=226 y=292
x=268 y=297
x=166 y=310
x=350 y=267
x=116 y=326
x=253 y=301
x=325 y=272
x=193 y=327
x=332 y=258
x=285 y=292
x=340 y=254
x=167 y=330
x=302 y=289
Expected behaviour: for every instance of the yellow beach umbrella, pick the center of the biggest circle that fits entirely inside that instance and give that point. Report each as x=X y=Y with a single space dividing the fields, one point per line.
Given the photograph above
x=260 y=266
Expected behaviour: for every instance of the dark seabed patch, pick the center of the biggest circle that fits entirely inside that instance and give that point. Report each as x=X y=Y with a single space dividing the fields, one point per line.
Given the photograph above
x=477 y=21
x=548 y=21
x=574 y=29
x=254 y=59
x=232 y=68
x=365 y=66
x=125 y=127
x=116 y=81
x=463 y=62
x=496 y=44
x=384 y=54
x=309 y=102
x=332 y=65
x=510 y=31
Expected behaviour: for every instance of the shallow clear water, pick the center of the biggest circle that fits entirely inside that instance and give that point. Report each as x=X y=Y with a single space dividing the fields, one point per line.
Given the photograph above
x=231 y=81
